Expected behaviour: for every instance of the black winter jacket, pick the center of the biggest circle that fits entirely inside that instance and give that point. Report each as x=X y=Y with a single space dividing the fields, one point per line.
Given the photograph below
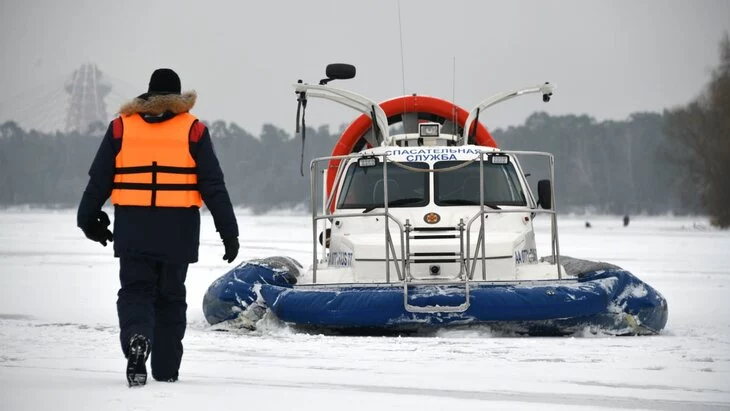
x=167 y=234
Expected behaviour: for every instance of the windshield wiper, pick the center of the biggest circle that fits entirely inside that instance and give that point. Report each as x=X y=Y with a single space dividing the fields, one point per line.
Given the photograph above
x=459 y=201
x=395 y=203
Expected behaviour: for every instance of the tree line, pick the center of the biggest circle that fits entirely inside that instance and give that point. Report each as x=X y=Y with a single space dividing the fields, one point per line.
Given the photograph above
x=699 y=140
x=608 y=166
x=615 y=167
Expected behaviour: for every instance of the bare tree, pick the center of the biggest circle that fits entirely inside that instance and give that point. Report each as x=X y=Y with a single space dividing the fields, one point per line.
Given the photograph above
x=701 y=131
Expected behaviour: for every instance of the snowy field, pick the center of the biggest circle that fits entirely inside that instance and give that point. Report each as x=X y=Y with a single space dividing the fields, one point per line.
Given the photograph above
x=59 y=347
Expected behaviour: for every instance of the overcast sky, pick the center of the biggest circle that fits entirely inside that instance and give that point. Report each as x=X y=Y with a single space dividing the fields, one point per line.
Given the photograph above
x=608 y=58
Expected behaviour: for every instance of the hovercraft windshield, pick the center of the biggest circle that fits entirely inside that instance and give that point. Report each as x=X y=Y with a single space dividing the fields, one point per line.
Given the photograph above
x=363 y=187
x=460 y=186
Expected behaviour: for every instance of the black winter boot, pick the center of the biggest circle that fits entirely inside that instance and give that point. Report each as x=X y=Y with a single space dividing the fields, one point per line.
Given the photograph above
x=139 y=350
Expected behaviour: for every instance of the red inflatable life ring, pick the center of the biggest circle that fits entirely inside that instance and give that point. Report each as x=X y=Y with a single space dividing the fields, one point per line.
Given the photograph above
x=396 y=106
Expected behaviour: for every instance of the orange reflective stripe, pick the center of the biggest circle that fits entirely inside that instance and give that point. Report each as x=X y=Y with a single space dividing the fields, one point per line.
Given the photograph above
x=164 y=178
x=134 y=178
x=169 y=197
x=154 y=164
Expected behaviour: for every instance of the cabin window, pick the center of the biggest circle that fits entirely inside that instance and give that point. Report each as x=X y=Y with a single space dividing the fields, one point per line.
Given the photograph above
x=363 y=187
x=461 y=186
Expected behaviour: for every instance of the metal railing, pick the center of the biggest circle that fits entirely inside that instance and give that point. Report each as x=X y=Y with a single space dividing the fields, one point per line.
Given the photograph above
x=402 y=264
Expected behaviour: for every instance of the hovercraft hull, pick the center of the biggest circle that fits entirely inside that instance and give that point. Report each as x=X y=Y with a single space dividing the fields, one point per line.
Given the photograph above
x=612 y=301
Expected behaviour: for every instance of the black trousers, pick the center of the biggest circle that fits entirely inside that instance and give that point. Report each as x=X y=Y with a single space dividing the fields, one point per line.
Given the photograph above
x=151 y=302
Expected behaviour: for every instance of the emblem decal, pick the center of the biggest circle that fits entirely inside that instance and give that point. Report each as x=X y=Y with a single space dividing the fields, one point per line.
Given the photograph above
x=432 y=218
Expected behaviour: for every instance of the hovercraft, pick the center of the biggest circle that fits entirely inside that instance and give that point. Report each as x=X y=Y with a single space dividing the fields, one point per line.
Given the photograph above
x=419 y=221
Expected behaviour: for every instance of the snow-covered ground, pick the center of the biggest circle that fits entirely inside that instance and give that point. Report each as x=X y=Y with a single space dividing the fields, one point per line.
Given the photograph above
x=59 y=347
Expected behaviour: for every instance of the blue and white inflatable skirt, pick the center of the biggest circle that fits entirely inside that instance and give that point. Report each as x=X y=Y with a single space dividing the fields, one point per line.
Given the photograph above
x=594 y=295
x=236 y=296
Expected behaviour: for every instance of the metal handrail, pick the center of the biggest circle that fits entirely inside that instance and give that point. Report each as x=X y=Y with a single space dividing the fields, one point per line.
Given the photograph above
x=389 y=242
x=485 y=212
x=389 y=246
x=470 y=263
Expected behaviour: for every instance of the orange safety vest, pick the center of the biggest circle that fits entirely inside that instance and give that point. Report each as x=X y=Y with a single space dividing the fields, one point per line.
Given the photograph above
x=154 y=167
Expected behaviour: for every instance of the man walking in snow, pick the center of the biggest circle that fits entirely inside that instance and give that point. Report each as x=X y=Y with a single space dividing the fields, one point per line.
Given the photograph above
x=157 y=163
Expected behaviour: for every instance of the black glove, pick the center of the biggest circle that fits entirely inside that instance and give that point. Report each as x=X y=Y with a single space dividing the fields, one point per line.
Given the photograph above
x=96 y=230
x=231 y=245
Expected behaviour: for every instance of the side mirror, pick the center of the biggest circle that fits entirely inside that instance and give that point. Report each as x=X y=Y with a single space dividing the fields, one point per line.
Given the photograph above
x=544 y=194
x=338 y=71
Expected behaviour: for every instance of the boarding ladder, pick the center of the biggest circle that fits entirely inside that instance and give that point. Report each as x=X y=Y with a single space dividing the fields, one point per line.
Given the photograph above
x=416 y=234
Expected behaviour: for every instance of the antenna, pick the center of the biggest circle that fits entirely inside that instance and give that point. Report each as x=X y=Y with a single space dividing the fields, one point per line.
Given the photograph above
x=402 y=64
x=402 y=69
x=453 y=95
x=453 y=82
